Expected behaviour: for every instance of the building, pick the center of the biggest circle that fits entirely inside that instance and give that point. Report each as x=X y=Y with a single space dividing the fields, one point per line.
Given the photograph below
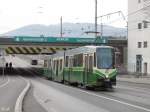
x=139 y=36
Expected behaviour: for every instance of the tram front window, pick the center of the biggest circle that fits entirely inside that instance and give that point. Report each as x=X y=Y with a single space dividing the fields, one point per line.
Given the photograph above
x=104 y=58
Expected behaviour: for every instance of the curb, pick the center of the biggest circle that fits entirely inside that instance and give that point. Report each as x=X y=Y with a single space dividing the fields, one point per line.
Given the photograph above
x=134 y=82
x=18 y=106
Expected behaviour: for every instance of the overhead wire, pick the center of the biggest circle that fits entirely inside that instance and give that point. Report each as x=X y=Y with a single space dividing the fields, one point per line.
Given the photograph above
x=131 y=13
x=132 y=21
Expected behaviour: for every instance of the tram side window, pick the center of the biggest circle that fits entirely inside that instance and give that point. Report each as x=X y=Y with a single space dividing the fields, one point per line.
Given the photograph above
x=50 y=64
x=78 y=60
x=45 y=63
x=75 y=61
x=54 y=65
x=61 y=64
x=90 y=63
x=67 y=60
x=71 y=61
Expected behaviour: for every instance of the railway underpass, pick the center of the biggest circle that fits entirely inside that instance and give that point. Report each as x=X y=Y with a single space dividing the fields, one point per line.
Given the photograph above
x=37 y=46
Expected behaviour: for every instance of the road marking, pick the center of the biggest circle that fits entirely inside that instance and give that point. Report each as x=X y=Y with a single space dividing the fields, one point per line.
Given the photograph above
x=118 y=101
x=19 y=102
x=5 y=83
x=111 y=99
x=5 y=109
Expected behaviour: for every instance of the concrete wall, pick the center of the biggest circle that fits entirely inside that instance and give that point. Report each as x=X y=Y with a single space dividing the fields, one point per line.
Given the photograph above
x=136 y=35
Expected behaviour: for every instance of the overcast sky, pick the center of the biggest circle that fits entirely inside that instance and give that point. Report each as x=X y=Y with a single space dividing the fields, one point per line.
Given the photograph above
x=18 y=13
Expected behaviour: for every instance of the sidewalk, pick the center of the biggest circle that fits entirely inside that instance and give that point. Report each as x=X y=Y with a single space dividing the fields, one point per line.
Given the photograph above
x=133 y=79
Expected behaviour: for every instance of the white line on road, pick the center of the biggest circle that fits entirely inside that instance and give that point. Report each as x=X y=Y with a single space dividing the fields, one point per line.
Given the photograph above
x=118 y=101
x=5 y=109
x=5 y=83
x=19 y=102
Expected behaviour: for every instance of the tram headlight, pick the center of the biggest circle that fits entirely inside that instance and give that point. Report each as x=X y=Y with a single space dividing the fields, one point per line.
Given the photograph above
x=107 y=76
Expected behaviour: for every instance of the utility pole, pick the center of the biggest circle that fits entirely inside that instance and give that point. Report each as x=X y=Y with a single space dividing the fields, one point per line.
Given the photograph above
x=61 y=33
x=101 y=28
x=95 y=19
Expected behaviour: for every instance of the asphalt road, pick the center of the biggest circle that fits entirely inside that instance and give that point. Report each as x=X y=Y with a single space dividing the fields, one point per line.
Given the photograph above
x=3 y=80
x=10 y=89
x=55 y=97
x=48 y=96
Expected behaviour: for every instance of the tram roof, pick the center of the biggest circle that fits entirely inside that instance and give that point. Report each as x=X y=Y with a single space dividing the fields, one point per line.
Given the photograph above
x=85 y=49
x=79 y=50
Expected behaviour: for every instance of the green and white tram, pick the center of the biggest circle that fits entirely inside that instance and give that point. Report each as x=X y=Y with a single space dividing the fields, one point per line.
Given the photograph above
x=88 y=66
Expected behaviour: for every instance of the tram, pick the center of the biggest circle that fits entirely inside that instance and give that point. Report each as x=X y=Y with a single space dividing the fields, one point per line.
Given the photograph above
x=87 y=66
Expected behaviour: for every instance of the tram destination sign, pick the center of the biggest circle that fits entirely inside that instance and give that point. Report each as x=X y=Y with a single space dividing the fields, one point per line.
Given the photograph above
x=58 y=40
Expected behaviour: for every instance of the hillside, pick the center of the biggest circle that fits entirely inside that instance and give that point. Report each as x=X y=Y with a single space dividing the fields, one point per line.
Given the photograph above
x=69 y=30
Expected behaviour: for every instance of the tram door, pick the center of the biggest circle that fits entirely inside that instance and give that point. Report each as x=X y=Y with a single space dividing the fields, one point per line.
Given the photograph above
x=86 y=68
x=138 y=63
x=70 y=67
x=91 y=63
x=88 y=64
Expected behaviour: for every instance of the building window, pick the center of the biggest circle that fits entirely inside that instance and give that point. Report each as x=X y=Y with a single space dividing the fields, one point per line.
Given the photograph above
x=139 y=25
x=139 y=1
x=139 y=44
x=145 y=44
x=145 y=24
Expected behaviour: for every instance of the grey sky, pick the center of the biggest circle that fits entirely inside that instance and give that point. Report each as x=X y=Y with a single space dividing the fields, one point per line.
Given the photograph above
x=17 y=13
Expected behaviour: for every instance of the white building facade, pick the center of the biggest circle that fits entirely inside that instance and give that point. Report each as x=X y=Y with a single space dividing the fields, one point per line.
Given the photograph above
x=139 y=36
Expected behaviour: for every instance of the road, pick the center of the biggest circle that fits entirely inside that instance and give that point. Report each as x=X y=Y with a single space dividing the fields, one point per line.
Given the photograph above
x=56 y=97
x=48 y=96
x=10 y=89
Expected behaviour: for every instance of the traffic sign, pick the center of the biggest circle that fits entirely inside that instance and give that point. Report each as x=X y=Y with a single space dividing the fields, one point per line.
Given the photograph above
x=59 y=39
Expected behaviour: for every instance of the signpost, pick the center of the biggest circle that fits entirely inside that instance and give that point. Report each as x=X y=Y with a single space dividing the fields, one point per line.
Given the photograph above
x=60 y=40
